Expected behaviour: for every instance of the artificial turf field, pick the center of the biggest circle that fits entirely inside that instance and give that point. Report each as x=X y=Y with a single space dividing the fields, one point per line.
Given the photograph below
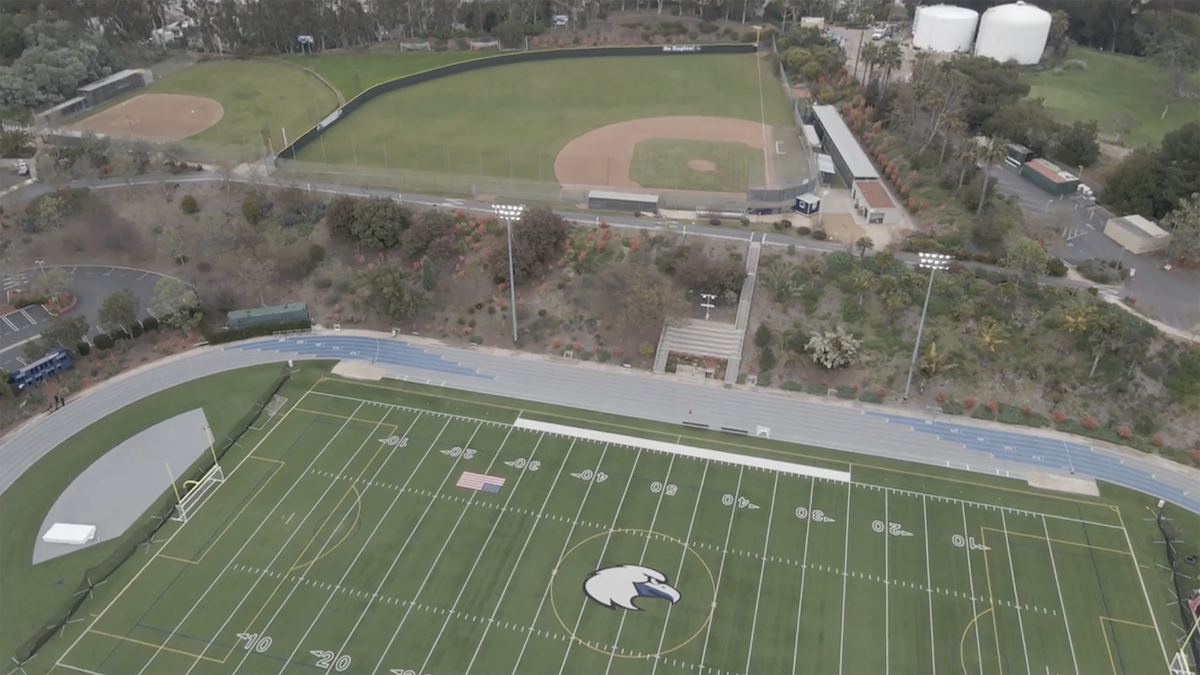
x=339 y=543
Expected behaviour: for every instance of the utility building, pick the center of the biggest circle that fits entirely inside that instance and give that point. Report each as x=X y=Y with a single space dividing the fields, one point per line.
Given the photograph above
x=294 y=312
x=1137 y=234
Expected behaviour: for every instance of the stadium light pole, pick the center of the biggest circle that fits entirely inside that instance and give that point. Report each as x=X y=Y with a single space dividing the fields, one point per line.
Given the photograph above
x=932 y=262
x=508 y=213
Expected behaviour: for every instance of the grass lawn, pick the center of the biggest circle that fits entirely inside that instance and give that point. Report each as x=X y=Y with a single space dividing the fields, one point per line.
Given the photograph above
x=511 y=121
x=663 y=163
x=30 y=595
x=1111 y=84
x=340 y=541
x=352 y=73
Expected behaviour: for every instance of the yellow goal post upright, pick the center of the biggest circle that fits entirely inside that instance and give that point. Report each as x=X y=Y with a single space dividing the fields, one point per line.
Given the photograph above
x=1181 y=663
x=196 y=492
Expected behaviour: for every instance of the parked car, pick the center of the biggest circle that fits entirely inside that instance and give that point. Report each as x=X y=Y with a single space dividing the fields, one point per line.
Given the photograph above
x=22 y=168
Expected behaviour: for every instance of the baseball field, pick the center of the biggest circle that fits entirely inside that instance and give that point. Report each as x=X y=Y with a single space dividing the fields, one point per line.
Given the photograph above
x=367 y=528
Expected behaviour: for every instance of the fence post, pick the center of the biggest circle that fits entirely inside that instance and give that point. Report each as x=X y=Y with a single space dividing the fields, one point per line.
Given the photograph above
x=510 y=166
x=385 y=159
x=354 y=151
x=480 y=160
x=323 y=159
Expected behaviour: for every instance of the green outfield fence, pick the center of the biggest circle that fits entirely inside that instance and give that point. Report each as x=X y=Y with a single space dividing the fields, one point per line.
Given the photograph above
x=144 y=535
x=1175 y=562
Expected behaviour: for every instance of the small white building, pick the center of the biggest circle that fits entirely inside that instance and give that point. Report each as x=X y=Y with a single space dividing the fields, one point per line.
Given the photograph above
x=1136 y=234
x=872 y=201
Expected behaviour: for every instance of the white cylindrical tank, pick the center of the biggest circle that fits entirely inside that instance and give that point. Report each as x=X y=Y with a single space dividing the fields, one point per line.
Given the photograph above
x=1016 y=32
x=944 y=28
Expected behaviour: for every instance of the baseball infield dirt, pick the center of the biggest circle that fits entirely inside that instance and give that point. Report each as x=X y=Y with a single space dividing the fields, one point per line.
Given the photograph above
x=603 y=156
x=155 y=117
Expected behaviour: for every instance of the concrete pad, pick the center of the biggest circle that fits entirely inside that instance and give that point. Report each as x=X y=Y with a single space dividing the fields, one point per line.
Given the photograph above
x=1072 y=484
x=116 y=489
x=359 y=370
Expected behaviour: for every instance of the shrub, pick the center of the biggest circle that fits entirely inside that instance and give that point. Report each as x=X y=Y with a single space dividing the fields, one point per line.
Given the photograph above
x=603 y=356
x=1059 y=416
x=766 y=359
x=1194 y=455
x=1125 y=432
x=819 y=235
x=762 y=336
x=103 y=342
x=870 y=397
x=1056 y=268
x=941 y=397
x=1156 y=440
x=203 y=267
x=846 y=392
x=189 y=205
x=251 y=209
x=952 y=408
x=323 y=283
x=316 y=254
x=969 y=403
x=803 y=231
x=1088 y=423
x=83 y=349
x=150 y=323
x=1074 y=64
x=475 y=340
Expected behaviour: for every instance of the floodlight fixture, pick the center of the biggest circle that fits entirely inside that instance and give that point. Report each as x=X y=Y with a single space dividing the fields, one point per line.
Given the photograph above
x=508 y=213
x=934 y=262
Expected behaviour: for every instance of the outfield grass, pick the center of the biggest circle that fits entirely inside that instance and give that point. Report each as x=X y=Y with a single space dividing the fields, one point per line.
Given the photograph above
x=511 y=121
x=353 y=73
x=663 y=163
x=1112 y=84
x=339 y=541
x=30 y=594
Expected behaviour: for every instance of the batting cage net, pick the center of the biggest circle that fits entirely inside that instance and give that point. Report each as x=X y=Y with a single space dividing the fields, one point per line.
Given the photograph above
x=144 y=534
x=1183 y=565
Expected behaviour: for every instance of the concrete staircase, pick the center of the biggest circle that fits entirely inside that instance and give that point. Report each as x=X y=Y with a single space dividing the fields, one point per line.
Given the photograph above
x=743 y=310
x=701 y=338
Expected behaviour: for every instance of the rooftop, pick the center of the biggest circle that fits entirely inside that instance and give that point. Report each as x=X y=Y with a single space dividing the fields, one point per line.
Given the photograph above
x=268 y=311
x=623 y=196
x=1051 y=171
x=837 y=133
x=1139 y=227
x=874 y=194
x=115 y=77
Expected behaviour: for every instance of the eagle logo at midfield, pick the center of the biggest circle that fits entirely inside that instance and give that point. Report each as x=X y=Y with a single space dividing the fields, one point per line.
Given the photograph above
x=619 y=586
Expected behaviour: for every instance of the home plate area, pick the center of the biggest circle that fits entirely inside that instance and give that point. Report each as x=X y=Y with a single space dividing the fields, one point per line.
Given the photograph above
x=362 y=529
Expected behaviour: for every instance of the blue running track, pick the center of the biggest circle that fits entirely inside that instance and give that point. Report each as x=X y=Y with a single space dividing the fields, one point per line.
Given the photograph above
x=389 y=352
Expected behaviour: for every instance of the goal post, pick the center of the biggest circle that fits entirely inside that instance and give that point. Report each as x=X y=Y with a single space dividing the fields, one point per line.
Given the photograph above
x=196 y=493
x=1180 y=665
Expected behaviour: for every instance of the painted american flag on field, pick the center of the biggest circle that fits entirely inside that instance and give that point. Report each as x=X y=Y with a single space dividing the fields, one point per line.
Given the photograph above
x=480 y=482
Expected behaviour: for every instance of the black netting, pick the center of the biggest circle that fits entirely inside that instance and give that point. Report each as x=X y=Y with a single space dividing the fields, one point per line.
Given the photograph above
x=144 y=534
x=1175 y=560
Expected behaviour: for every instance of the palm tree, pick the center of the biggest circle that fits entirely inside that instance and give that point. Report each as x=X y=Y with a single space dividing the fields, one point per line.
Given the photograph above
x=1078 y=317
x=863 y=245
x=994 y=150
x=15 y=143
x=861 y=281
x=952 y=127
x=869 y=56
x=934 y=362
x=966 y=154
x=894 y=303
x=782 y=281
x=991 y=334
x=890 y=57
x=1107 y=334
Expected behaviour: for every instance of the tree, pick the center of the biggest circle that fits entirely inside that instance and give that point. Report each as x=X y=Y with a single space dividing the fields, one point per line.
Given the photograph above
x=934 y=361
x=991 y=334
x=834 y=349
x=537 y=240
x=388 y=290
x=782 y=280
x=1150 y=182
x=966 y=154
x=1077 y=143
x=1172 y=39
x=119 y=309
x=428 y=226
x=176 y=304
x=990 y=152
x=16 y=143
x=61 y=331
x=1077 y=318
x=378 y=223
x=1106 y=335
x=651 y=300
x=339 y=215
x=763 y=336
x=50 y=214
x=428 y=280
x=700 y=273
x=511 y=33
x=863 y=244
x=49 y=280
x=1122 y=123
x=1027 y=257
x=252 y=209
x=173 y=243
x=861 y=282
x=256 y=273
x=1184 y=225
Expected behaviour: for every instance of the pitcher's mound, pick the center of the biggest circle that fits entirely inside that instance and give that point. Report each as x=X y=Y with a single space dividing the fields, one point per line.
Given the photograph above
x=701 y=165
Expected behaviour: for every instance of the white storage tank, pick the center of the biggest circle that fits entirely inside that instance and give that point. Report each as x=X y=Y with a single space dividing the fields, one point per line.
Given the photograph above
x=944 y=28
x=1016 y=32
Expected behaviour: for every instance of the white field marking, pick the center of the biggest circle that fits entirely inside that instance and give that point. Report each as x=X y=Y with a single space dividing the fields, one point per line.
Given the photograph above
x=971 y=581
x=803 y=572
x=321 y=551
x=566 y=543
x=520 y=556
x=762 y=572
x=721 y=570
x=446 y=542
x=409 y=409
x=370 y=536
x=845 y=579
x=69 y=667
x=281 y=418
x=929 y=587
x=603 y=550
x=695 y=507
x=642 y=557
x=479 y=556
x=1016 y=594
x=779 y=150
x=887 y=595
x=1146 y=595
x=762 y=117
x=263 y=522
x=1061 y=604
x=980 y=505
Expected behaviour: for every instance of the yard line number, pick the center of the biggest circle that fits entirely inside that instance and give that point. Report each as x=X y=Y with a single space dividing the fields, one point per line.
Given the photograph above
x=525 y=464
x=893 y=529
x=816 y=515
x=253 y=642
x=669 y=489
x=588 y=476
x=395 y=441
x=740 y=502
x=327 y=659
x=398 y=671
x=465 y=453
x=960 y=541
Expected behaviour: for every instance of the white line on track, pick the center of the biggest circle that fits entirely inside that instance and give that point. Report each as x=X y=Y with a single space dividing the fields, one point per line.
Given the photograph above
x=803 y=572
x=1016 y=594
x=520 y=556
x=929 y=587
x=695 y=507
x=971 y=580
x=733 y=509
x=479 y=556
x=324 y=546
x=1054 y=569
x=266 y=519
x=620 y=505
x=762 y=572
x=845 y=579
x=446 y=542
x=642 y=558
x=566 y=543
x=378 y=524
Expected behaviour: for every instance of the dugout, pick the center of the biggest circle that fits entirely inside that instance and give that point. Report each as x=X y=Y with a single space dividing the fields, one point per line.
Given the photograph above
x=112 y=86
x=56 y=361
x=603 y=200
x=292 y=312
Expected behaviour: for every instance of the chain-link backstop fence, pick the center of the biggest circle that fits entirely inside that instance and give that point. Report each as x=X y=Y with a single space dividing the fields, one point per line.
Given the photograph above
x=1182 y=565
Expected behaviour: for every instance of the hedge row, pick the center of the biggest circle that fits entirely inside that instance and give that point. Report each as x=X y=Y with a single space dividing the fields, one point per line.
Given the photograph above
x=105 y=341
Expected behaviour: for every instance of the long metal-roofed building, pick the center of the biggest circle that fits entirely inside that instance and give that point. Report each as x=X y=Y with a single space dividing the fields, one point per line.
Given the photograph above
x=293 y=312
x=850 y=161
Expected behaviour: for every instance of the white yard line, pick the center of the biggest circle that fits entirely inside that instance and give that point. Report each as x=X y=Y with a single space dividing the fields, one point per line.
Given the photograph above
x=600 y=559
x=1012 y=572
x=695 y=507
x=321 y=551
x=887 y=585
x=266 y=519
x=642 y=558
x=479 y=556
x=733 y=509
x=971 y=580
x=762 y=572
x=554 y=572
x=520 y=556
x=1145 y=594
x=812 y=488
x=929 y=588
x=104 y=611
x=1061 y=604
x=378 y=524
x=845 y=579
x=446 y=542
x=980 y=505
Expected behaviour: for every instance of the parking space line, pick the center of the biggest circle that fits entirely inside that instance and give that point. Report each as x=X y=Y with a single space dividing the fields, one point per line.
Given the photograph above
x=32 y=321
x=10 y=323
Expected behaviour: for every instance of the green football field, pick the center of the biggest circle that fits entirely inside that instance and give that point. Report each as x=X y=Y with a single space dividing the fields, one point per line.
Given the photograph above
x=340 y=543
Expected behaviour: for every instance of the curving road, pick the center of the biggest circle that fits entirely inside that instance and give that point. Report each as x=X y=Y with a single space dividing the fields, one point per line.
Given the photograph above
x=878 y=432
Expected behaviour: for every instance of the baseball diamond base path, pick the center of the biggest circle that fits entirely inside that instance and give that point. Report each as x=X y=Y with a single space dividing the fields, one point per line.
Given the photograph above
x=117 y=489
x=603 y=156
x=155 y=117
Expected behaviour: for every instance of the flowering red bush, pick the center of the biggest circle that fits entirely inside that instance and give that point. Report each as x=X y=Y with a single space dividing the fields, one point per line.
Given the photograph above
x=993 y=405
x=1088 y=422
x=1059 y=416
x=881 y=391
x=969 y=403
x=1028 y=410
x=1194 y=455
x=1125 y=432
x=1156 y=440
x=941 y=397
